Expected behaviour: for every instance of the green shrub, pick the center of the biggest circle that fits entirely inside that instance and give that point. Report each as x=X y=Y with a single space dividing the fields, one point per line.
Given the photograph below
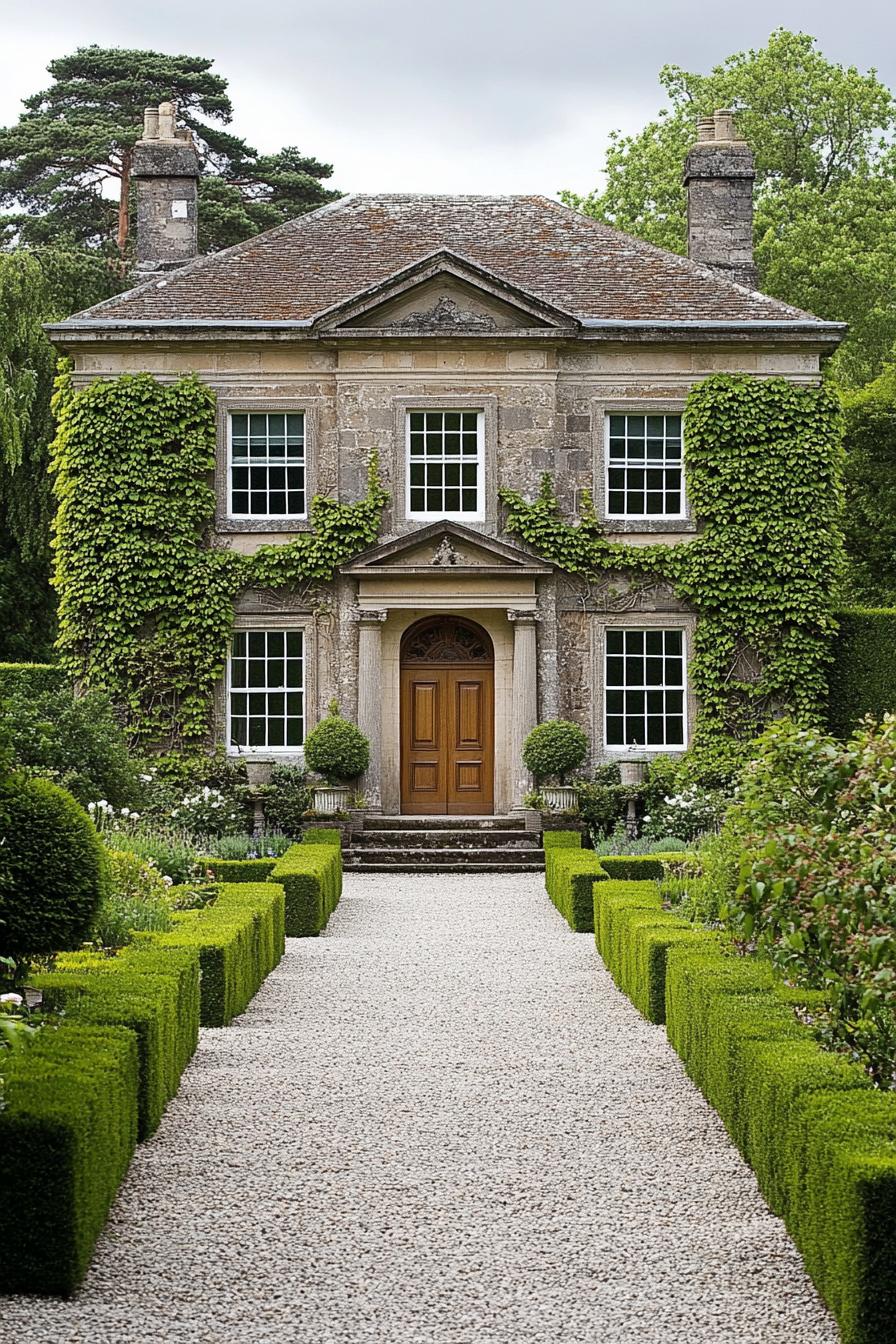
x=818 y=893
x=74 y=741
x=239 y=870
x=311 y=877
x=603 y=799
x=288 y=799
x=239 y=941
x=337 y=749
x=30 y=679
x=172 y=849
x=68 y=1127
x=53 y=870
x=137 y=900
x=570 y=875
x=862 y=679
x=554 y=748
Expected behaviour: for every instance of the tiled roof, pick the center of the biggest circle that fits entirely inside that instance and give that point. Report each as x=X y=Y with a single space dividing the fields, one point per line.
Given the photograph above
x=308 y=265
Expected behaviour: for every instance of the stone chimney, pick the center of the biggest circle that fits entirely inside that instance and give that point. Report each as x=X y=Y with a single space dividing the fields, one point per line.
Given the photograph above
x=166 y=174
x=718 y=176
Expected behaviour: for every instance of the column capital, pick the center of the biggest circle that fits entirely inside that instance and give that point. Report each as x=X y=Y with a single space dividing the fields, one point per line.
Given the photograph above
x=369 y=615
x=523 y=615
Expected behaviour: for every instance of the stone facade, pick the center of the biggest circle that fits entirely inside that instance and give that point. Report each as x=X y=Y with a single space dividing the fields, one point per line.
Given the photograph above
x=371 y=310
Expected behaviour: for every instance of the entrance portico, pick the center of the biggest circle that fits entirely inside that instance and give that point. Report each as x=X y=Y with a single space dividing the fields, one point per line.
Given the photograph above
x=446 y=569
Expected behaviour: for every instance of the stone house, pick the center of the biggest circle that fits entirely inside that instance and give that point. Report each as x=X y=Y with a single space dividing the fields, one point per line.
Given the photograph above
x=475 y=342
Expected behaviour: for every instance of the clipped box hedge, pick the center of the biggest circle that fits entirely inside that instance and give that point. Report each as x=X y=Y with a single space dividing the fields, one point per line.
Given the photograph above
x=240 y=870
x=862 y=678
x=637 y=867
x=570 y=873
x=68 y=1128
x=239 y=940
x=116 y=991
x=633 y=934
x=311 y=877
x=821 y=1141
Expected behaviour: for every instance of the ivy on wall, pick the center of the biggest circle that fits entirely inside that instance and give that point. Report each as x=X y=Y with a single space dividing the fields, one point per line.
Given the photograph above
x=762 y=465
x=145 y=599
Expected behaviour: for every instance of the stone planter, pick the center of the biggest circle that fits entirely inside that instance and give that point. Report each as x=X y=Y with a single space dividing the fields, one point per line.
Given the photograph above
x=560 y=797
x=331 y=798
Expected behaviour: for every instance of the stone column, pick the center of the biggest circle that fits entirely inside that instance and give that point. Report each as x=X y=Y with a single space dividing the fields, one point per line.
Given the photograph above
x=370 y=697
x=524 y=702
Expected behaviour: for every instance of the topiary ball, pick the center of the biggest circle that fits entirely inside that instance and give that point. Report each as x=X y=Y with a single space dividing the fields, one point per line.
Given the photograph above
x=53 y=869
x=554 y=748
x=337 y=749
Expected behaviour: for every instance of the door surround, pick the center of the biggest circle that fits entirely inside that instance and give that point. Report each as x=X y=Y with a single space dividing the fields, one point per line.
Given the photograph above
x=447 y=714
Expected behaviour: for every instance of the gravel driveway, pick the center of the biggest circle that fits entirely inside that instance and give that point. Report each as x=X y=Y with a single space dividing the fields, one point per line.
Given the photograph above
x=440 y=1123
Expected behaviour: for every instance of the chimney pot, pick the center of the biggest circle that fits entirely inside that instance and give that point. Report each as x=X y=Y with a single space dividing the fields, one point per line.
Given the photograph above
x=150 y=123
x=167 y=120
x=718 y=178
x=724 y=125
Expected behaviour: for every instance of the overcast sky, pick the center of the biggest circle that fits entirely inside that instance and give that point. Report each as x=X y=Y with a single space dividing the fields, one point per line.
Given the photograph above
x=411 y=95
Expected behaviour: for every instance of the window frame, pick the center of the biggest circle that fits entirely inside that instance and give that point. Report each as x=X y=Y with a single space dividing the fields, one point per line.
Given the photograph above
x=601 y=622
x=266 y=517
x=228 y=405
x=602 y=407
x=452 y=516
x=664 y=747
x=256 y=625
x=610 y=517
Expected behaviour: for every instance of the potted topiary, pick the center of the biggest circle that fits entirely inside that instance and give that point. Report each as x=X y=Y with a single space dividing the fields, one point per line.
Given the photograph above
x=340 y=752
x=550 y=751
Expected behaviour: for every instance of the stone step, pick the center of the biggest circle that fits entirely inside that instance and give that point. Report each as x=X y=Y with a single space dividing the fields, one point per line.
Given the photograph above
x=439 y=823
x=432 y=838
x=481 y=860
x=458 y=869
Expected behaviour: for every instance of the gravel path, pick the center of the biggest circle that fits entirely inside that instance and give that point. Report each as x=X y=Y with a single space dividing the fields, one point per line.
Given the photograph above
x=438 y=1124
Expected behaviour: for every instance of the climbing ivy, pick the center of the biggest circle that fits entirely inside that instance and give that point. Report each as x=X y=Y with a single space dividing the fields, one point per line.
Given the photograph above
x=762 y=465
x=145 y=597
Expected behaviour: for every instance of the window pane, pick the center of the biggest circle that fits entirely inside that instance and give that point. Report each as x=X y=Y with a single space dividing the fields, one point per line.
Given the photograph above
x=644 y=688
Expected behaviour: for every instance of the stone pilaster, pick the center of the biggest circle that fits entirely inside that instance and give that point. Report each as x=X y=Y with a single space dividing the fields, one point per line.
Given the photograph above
x=524 y=698
x=370 y=698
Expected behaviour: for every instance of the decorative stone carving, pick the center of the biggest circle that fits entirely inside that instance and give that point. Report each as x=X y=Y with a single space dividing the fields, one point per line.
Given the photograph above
x=445 y=315
x=445 y=554
x=446 y=639
x=273 y=601
x=620 y=592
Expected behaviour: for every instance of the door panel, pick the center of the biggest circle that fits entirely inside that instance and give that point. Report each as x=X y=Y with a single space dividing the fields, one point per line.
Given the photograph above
x=447 y=740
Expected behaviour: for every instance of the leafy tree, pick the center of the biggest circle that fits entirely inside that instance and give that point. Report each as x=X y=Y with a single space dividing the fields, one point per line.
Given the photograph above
x=825 y=233
x=35 y=287
x=80 y=132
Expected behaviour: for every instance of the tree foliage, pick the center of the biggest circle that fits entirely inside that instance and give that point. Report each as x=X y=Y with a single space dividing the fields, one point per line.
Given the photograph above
x=825 y=193
x=35 y=286
x=79 y=133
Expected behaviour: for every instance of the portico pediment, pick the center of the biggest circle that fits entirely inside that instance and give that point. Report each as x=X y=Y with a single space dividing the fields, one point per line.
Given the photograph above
x=443 y=550
x=444 y=294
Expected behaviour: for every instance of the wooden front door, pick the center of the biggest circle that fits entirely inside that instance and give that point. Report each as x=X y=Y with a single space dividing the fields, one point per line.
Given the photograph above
x=447 y=719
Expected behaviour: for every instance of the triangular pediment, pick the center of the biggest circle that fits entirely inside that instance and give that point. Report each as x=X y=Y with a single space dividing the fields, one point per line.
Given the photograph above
x=443 y=549
x=444 y=294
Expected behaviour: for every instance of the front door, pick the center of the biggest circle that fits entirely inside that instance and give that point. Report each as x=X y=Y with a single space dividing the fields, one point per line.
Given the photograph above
x=447 y=719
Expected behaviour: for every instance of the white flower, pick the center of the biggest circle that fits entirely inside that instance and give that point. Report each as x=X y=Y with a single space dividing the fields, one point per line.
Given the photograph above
x=11 y=998
x=91 y=807
x=147 y=779
x=135 y=816
x=169 y=881
x=103 y=804
x=125 y=811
